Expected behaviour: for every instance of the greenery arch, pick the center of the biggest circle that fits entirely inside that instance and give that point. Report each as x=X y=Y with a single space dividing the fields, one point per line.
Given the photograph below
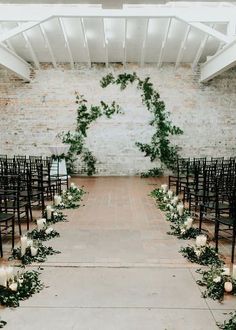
x=160 y=146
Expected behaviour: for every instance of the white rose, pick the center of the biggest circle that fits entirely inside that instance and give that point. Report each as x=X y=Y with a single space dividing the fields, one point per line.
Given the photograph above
x=55 y=214
x=188 y=223
x=217 y=279
x=165 y=199
x=69 y=197
x=48 y=230
x=29 y=242
x=13 y=286
x=198 y=253
x=201 y=240
x=170 y=194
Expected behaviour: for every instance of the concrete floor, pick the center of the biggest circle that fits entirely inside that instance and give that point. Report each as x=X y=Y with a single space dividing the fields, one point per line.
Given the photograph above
x=118 y=269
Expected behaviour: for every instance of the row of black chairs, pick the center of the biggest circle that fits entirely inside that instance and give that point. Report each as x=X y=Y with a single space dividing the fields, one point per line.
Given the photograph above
x=209 y=188
x=24 y=184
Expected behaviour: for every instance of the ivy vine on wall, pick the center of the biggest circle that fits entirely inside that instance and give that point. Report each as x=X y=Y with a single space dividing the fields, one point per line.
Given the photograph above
x=160 y=147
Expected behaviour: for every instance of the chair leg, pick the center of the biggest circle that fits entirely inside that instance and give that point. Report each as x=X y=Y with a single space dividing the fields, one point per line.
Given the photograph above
x=27 y=216
x=200 y=218
x=19 y=221
x=1 y=252
x=216 y=234
x=233 y=244
x=13 y=232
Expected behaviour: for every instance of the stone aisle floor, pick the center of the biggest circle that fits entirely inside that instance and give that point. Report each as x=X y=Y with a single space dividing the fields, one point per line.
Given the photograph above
x=118 y=269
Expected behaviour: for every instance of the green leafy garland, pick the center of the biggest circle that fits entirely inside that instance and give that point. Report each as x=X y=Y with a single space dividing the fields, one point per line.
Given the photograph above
x=2 y=323
x=42 y=235
x=57 y=216
x=230 y=324
x=204 y=255
x=214 y=280
x=71 y=198
x=27 y=258
x=28 y=283
x=160 y=146
x=86 y=115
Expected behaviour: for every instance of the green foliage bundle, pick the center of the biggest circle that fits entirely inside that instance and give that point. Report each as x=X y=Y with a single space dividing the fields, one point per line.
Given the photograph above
x=230 y=324
x=205 y=255
x=42 y=234
x=28 y=283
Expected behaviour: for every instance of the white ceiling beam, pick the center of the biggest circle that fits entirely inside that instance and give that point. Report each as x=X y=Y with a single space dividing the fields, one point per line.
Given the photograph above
x=125 y=44
x=195 y=14
x=67 y=44
x=159 y=63
x=32 y=52
x=209 y=30
x=200 y=51
x=85 y=41
x=143 y=49
x=105 y=43
x=218 y=63
x=14 y=63
x=182 y=47
x=231 y=28
x=21 y=28
x=48 y=45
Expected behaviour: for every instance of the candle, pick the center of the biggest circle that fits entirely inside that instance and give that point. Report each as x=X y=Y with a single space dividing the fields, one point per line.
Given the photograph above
x=170 y=193
x=41 y=223
x=226 y=271
x=164 y=188
x=48 y=230
x=49 y=212
x=3 y=277
x=234 y=272
x=201 y=240
x=23 y=242
x=57 y=200
x=33 y=251
x=10 y=273
x=180 y=209
x=29 y=242
x=13 y=286
x=188 y=223
x=228 y=286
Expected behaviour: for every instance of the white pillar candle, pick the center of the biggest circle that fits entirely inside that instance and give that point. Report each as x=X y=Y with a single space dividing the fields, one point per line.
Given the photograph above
x=3 y=276
x=164 y=188
x=33 y=251
x=41 y=223
x=228 y=286
x=23 y=242
x=13 y=286
x=234 y=272
x=201 y=240
x=48 y=230
x=49 y=212
x=57 y=200
x=226 y=271
x=10 y=273
x=170 y=193
x=180 y=209
x=188 y=223
x=29 y=242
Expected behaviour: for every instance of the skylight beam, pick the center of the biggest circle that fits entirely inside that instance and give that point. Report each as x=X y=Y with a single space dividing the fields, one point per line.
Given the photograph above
x=142 y=58
x=182 y=47
x=105 y=43
x=85 y=41
x=48 y=46
x=66 y=42
x=32 y=52
x=159 y=63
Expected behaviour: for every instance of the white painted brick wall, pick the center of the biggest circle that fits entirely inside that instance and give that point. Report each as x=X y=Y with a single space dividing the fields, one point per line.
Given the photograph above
x=32 y=114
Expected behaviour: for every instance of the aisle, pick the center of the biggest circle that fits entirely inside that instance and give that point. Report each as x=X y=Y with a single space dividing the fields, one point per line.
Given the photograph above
x=117 y=269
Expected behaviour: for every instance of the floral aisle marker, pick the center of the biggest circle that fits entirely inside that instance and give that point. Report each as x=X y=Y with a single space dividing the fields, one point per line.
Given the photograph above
x=17 y=286
x=70 y=198
x=217 y=279
x=34 y=252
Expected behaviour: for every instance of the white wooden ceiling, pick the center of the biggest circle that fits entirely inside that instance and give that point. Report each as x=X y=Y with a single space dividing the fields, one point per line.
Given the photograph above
x=186 y=32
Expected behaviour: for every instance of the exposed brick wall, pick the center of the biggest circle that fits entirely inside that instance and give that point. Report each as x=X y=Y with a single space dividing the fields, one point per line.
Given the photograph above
x=33 y=113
